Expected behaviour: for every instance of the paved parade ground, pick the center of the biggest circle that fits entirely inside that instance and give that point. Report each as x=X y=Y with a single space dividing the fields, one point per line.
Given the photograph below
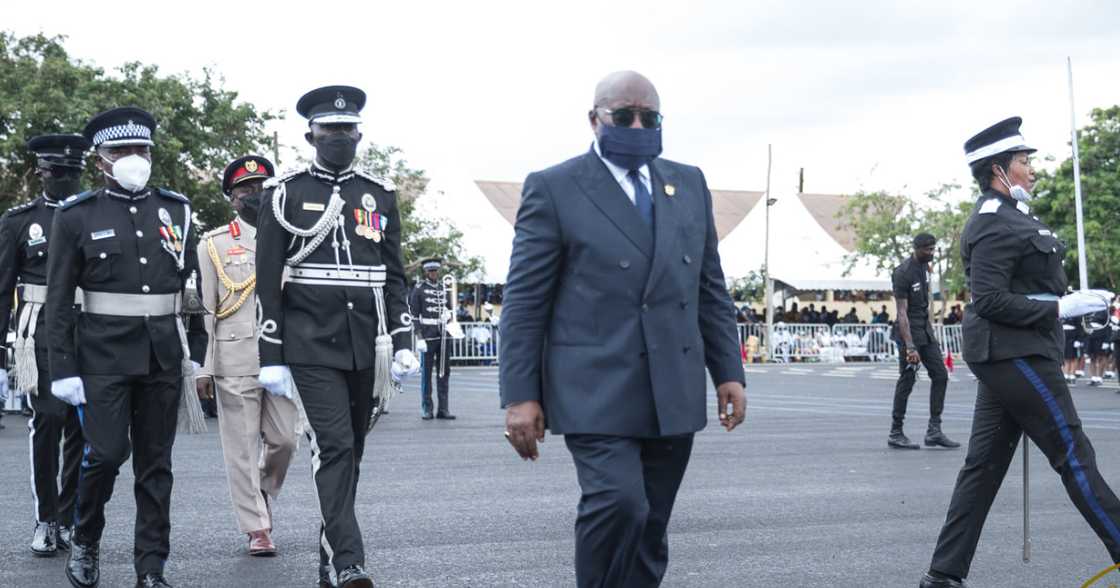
x=806 y=493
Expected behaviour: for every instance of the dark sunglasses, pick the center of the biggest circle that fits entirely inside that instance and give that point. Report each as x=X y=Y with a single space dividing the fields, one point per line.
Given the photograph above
x=624 y=117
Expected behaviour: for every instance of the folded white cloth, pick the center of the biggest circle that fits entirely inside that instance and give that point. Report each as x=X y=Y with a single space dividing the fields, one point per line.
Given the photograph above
x=1083 y=302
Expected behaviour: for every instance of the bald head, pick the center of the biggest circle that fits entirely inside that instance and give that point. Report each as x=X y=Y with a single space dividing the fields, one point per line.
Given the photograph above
x=626 y=88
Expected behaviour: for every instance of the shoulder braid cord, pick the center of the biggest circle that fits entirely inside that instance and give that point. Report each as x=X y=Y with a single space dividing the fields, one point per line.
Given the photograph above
x=245 y=288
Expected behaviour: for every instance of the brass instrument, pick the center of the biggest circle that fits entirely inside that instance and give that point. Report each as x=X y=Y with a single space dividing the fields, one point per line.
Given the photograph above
x=448 y=319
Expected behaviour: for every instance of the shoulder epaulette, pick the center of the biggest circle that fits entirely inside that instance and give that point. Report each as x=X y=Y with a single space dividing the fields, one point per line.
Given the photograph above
x=77 y=198
x=216 y=231
x=277 y=180
x=173 y=195
x=20 y=208
x=385 y=183
x=990 y=206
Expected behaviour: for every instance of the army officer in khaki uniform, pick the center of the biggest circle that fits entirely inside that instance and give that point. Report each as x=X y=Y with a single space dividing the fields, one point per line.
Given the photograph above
x=258 y=429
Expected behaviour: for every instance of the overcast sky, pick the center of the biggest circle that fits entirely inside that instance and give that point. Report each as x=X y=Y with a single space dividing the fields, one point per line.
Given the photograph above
x=875 y=95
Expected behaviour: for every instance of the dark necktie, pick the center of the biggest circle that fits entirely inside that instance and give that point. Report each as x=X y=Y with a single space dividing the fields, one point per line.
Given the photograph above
x=642 y=199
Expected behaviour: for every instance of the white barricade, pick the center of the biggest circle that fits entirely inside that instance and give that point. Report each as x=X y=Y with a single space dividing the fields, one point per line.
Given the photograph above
x=478 y=347
x=865 y=342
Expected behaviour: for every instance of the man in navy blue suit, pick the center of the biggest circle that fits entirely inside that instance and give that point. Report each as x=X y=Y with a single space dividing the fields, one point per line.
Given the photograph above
x=614 y=304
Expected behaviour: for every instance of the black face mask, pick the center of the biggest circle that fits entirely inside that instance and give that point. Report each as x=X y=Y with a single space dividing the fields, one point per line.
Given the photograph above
x=337 y=151
x=61 y=188
x=248 y=207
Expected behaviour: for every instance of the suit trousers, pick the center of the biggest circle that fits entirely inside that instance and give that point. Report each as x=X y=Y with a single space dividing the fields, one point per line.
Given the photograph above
x=144 y=409
x=628 y=486
x=337 y=404
x=1015 y=396
x=53 y=422
x=939 y=381
x=258 y=442
x=431 y=361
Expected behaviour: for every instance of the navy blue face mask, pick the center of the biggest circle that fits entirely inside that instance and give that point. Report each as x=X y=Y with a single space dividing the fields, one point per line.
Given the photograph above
x=627 y=147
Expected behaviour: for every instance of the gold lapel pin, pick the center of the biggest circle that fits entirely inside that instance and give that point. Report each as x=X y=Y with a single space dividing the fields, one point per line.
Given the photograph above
x=670 y=189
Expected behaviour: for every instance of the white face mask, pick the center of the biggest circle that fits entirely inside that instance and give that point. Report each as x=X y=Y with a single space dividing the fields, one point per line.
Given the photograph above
x=131 y=172
x=1017 y=192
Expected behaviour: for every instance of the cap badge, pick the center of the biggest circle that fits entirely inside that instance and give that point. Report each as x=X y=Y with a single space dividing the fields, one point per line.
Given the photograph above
x=340 y=102
x=670 y=190
x=251 y=166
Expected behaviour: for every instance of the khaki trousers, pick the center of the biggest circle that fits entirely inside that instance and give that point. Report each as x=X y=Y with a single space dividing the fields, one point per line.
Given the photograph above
x=258 y=441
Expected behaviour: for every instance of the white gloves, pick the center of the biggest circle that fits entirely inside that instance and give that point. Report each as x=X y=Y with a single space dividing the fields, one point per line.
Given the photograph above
x=277 y=379
x=3 y=384
x=1083 y=302
x=69 y=390
x=421 y=346
x=404 y=364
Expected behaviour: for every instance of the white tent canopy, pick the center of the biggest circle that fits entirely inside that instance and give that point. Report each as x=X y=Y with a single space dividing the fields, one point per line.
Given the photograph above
x=803 y=253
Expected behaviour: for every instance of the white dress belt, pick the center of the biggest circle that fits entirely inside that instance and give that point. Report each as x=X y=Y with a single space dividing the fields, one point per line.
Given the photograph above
x=139 y=305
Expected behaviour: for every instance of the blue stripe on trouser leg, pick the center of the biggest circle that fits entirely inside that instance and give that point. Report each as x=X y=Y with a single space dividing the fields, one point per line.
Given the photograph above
x=1067 y=439
x=82 y=466
x=425 y=385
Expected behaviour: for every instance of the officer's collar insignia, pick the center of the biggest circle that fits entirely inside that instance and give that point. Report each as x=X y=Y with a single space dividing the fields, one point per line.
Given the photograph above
x=1023 y=208
x=670 y=190
x=990 y=206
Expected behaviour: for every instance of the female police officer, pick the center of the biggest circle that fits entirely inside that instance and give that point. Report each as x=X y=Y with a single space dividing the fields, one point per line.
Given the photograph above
x=1013 y=344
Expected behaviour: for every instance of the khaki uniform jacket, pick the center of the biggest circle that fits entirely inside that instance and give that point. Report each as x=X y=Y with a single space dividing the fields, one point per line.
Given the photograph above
x=232 y=348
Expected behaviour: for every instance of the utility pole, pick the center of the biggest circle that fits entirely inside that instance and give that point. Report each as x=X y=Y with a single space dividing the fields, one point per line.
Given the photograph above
x=766 y=262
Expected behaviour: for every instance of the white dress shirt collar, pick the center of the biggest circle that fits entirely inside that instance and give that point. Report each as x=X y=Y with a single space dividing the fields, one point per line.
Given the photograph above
x=620 y=173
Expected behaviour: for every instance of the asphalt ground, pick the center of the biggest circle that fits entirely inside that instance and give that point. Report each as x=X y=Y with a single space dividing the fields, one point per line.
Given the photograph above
x=805 y=494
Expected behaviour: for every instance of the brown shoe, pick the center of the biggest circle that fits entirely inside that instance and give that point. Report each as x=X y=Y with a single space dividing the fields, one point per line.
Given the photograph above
x=261 y=545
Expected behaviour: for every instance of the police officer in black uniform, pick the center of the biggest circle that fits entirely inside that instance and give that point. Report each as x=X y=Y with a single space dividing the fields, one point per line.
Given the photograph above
x=1013 y=344
x=334 y=325
x=120 y=360
x=25 y=232
x=432 y=310
x=917 y=345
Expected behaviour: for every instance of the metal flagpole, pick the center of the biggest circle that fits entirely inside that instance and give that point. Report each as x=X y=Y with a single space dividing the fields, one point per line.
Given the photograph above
x=769 y=283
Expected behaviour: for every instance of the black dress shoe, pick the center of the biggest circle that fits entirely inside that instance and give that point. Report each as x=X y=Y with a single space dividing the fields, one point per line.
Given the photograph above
x=935 y=438
x=932 y=580
x=427 y=416
x=152 y=581
x=899 y=440
x=325 y=577
x=445 y=415
x=44 y=541
x=82 y=568
x=354 y=577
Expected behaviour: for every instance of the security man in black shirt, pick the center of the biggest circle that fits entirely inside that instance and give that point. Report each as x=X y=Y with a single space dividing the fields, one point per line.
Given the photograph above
x=121 y=359
x=917 y=344
x=431 y=308
x=1013 y=345
x=25 y=232
x=334 y=324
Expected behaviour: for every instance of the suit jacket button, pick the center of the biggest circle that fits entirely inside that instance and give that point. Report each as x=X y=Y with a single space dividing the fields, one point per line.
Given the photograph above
x=687 y=259
x=624 y=264
x=684 y=303
x=350 y=306
x=645 y=308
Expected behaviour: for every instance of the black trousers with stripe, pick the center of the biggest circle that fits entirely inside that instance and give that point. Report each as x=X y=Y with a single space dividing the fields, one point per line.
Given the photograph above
x=1015 y=396
x=134 y=415
x=54 y=432
x=430 y=362
x=337 y=404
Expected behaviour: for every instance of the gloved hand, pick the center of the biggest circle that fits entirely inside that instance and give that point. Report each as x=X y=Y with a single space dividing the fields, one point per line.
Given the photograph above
x=3 y=384
x=421 y=346
x=277 y=379
x=405 y=363
x=1083 y=302
x=69 y=390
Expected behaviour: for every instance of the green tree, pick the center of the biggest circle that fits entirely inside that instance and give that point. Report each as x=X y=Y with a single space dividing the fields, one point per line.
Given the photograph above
x=749 y=288
x=1099 y=150
x=884 y=225
x=424 y=236
x=202 y=126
